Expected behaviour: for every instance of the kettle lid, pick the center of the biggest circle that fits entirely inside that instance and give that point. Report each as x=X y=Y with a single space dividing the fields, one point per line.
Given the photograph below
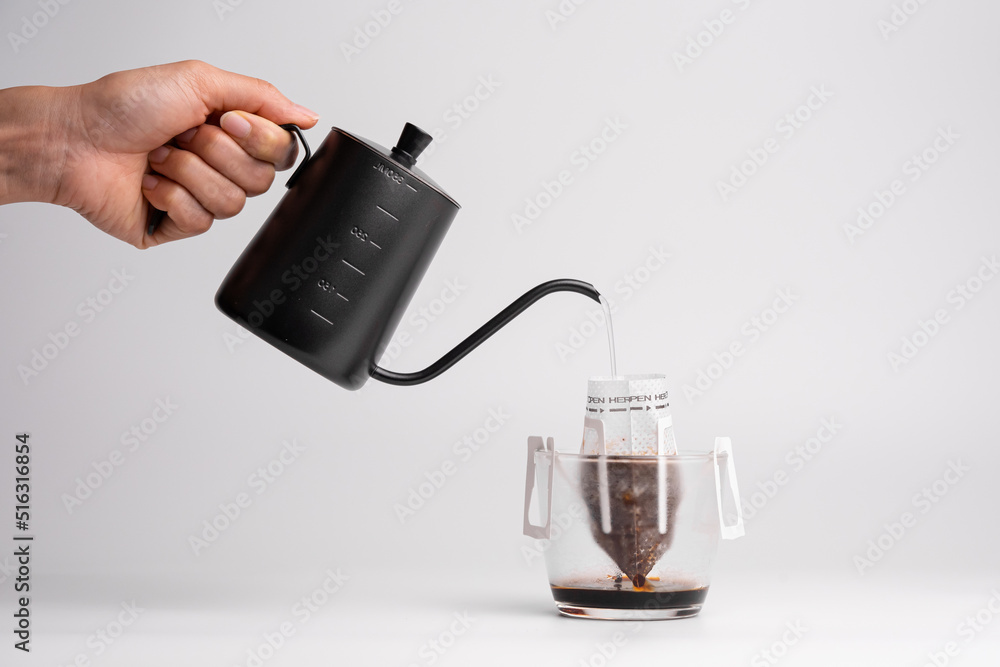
x=411 y=143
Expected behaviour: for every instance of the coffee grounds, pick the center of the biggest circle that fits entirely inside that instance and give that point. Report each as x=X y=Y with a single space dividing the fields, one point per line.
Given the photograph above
x=635 y=543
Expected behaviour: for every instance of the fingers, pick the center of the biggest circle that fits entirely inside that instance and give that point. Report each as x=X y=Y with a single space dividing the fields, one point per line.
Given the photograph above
x=185 y=216
x=261 y=138
x=214 y=192
x=221 y=152
x=212 y=170
x=220 y=90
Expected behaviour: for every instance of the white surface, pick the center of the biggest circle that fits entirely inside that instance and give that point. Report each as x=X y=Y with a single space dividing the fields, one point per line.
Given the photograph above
x=390 y=621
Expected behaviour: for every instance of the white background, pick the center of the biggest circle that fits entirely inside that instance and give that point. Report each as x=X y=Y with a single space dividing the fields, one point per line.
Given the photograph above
x=686 y=127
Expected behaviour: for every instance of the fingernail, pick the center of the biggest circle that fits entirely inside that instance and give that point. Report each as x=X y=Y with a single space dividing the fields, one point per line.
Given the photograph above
x=149 y=181
x=185 y=137
x=306 y=112
x=159 y=155
x=235 y=124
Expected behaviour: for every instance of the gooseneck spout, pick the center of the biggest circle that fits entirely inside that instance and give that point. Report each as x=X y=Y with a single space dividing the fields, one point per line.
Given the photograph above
x=480 y=335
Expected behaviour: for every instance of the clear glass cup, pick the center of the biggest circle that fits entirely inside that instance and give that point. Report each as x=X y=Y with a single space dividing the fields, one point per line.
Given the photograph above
x=630 y=537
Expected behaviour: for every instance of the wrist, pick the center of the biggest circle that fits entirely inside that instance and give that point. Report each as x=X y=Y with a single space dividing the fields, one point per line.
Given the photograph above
x=33 y=143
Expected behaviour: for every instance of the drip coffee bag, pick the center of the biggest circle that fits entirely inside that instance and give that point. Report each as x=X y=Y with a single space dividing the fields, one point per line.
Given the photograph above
x=631 y=503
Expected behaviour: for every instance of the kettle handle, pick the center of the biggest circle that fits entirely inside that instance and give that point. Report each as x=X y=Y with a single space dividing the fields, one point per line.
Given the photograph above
x=297 y=131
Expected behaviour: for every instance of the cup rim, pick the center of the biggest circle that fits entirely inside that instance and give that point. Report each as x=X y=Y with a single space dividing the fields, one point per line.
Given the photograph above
x=686 y=456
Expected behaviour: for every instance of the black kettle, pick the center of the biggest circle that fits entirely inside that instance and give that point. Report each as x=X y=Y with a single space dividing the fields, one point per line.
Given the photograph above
x=332 y=270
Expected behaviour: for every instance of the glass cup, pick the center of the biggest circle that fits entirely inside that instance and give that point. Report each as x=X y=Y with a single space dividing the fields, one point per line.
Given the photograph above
x=630 y=537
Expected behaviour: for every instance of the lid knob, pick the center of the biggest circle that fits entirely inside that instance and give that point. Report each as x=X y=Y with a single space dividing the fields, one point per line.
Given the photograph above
x=412 y=142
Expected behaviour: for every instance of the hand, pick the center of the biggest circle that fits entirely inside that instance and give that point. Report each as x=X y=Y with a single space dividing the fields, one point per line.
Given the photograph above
x=186 y=138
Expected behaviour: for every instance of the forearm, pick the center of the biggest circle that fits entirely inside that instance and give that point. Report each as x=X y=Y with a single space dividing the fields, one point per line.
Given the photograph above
x=32 y=144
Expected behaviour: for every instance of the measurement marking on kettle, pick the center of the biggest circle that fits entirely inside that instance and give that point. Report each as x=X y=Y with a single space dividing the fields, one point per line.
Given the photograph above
x=409 y=186
x=321 y=317
x=353 y=267
x=387 y=213
x=343 y=297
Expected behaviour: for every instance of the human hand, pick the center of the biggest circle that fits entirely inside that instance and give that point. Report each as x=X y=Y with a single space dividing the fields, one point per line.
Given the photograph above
x=187 y=138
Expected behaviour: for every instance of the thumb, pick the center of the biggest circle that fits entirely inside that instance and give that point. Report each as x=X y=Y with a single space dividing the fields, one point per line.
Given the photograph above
x=220 y=91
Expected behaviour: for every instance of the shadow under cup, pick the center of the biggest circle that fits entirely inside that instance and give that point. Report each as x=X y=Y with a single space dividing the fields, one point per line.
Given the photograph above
x=630 y=537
